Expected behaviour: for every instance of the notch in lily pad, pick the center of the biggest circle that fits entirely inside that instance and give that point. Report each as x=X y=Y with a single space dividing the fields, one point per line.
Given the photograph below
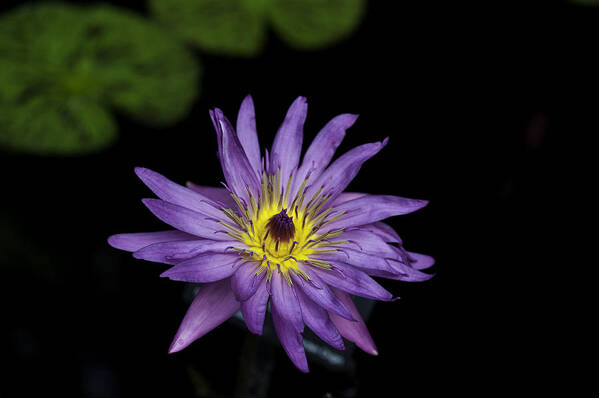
x=239 y=27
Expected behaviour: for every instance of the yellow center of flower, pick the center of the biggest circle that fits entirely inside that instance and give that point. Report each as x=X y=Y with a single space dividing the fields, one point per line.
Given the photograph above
x=278 y=232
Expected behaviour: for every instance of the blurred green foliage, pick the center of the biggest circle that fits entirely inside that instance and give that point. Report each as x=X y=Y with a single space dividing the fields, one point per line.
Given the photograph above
x=217 y=26
x=238 y=27
x=64 y=68
x=308 y=24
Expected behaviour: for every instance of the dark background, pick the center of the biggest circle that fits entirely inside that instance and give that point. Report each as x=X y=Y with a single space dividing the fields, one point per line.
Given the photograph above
x=477 y=100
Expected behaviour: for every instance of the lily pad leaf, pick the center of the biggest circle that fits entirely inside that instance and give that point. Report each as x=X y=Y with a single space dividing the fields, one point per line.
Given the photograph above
x=144 y=72
x=313 y=24
x=49 y=126
x=65 y=69
x=225 y=27
x=238 y=27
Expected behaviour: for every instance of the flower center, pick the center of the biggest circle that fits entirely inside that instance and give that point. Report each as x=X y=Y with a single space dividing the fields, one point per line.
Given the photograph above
x=279 y=231
x=281 y=227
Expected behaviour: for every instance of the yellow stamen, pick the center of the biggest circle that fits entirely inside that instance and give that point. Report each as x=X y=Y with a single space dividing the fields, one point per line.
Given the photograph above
x=284 y=253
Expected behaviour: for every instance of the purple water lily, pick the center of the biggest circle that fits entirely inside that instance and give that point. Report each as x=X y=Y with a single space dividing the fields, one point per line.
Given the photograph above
x=279 y=231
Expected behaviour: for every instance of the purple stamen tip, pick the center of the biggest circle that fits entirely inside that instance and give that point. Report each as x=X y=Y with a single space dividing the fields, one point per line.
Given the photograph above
x=281 y=227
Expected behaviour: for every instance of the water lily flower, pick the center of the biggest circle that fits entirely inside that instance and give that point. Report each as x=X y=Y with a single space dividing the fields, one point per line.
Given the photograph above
x=279 y=232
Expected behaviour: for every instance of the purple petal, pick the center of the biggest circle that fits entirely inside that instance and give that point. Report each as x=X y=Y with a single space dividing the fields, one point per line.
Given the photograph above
x=343 y=170
x=354 y=331
x=383 y=230
x=135 y=241
x=420 y=261
x=323 y=147
x=246 y=132
x=186 y=220
x=175 y=252
x=319 y=293
x=208 y=267
x=213 y=305
x=284 y=299
x=401 y=272
x=359 y=259
x=287 y=145
x=291 y=340
x=238 y=172
x=346 y=196
x=254 y=308
x=215 y=194
x=352 y=280
x=176 y=194
x=318 y=320
x=245 y=282
x=371 y=208
x=368 y=243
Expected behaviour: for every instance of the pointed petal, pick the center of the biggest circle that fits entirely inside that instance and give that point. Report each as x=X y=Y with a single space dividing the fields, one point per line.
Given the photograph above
x=213 y=305
x=287 y=145
x=343 y=170
x=284 y=299
x=359 y=259
x=354 y=331
x=383 y=230
x=371 y=208
x=319 y=293
x=323 y=147
x=246 y=132
x=135 y=241
x=318 y=320
x=254 y=308
x=291 y=340
x=186 y=220
x=420 y=261
x=175 y=252
x=245 y=282
x=368 y=243
x=208 y=267
x=176 y=194
x=346 y=196
x=215 y=194
x=238 y=172
x=401 y=272
x=352 y=280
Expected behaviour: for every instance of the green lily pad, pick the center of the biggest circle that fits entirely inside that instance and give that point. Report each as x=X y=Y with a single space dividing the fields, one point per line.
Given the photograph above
x=226 y=27
x=238 y=27
x=46 y=125
x=64 y=69
x=313 y=24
